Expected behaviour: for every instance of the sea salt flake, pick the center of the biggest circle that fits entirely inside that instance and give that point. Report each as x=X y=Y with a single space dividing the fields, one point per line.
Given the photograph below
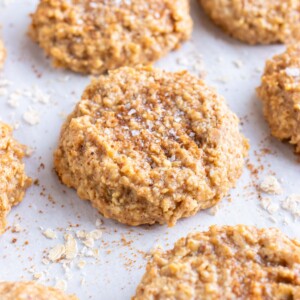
x=135 y=132
x=293 y=72
x=131 y=112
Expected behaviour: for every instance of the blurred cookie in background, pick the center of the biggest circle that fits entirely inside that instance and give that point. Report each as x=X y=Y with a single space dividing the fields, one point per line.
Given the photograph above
x=239 y=262
x=31 y=290
x=93 y=37
x=13 y=180
x=256 y=21
x=280 y=95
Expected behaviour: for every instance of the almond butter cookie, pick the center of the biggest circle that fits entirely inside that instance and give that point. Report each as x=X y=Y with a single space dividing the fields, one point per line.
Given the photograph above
x=95 y=36
x=280 y=95
x=256 y=21
x=240 y=262
x=31 y=290
x=147 y=146
x=13 y=180
x=2 y=54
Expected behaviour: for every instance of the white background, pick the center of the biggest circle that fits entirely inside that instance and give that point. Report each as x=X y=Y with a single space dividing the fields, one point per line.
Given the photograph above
x=120 y=266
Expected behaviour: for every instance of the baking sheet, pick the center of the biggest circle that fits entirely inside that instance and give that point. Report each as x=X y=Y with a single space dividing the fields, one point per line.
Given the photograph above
x=233 y=68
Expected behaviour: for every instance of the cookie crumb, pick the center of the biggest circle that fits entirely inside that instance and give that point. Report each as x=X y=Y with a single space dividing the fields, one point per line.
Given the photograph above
x=270 y=185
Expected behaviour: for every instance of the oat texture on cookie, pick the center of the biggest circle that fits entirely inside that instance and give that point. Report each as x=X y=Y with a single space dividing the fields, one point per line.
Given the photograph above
x=95 y=36
x=31 y=290
x=147 y=146
x=13 y=180
x=240 y=262
x=2 y=54
x=280 y=95
x=256 y=21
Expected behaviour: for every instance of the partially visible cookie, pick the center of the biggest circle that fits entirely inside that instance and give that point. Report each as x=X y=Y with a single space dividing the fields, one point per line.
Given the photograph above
x=280 y=95
x=13 y=180
x=2 y=54
x=147 y=146
x=31 y=291
x=240 y=262
x=256 y=21
x=96 y=36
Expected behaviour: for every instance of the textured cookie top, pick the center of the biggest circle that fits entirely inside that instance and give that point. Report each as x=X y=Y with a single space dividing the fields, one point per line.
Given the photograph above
x=2 y=54
x=161 y=145
x=280 y=93
x=257 y=21
x=95 y=36
x=13 y=180
x=30 y=290
x=238 y=262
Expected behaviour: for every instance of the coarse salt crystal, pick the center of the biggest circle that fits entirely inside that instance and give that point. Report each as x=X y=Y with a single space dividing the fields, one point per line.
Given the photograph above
x=135 y=132
x=293 y=72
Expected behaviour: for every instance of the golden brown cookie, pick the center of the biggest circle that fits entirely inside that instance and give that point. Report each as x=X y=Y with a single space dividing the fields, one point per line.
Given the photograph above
x=13 y=180
x=256 y=21
x=93 y=37
x=2 y=54
x=147 y=146
x=240 y=262
x=31 y=291
x=280 y=95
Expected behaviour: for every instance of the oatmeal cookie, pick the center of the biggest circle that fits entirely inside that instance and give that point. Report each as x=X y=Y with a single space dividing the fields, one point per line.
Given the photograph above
x=280 y=95
x=31 y=290
x=256 y=21
x=13 y=180
x=240 y=262
x=146 y=146
x=2 y=54
x=95 y=36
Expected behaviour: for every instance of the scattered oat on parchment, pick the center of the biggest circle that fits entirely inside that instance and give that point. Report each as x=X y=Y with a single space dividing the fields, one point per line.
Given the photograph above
x=270 y=185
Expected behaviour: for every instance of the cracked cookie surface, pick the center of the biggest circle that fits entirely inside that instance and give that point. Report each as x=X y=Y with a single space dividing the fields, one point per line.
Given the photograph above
x=13 y=180
x=31 y=290
x=280 y=95
x=147 y=146
x=95 y=36
x=256 y=21
x=240 y=262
